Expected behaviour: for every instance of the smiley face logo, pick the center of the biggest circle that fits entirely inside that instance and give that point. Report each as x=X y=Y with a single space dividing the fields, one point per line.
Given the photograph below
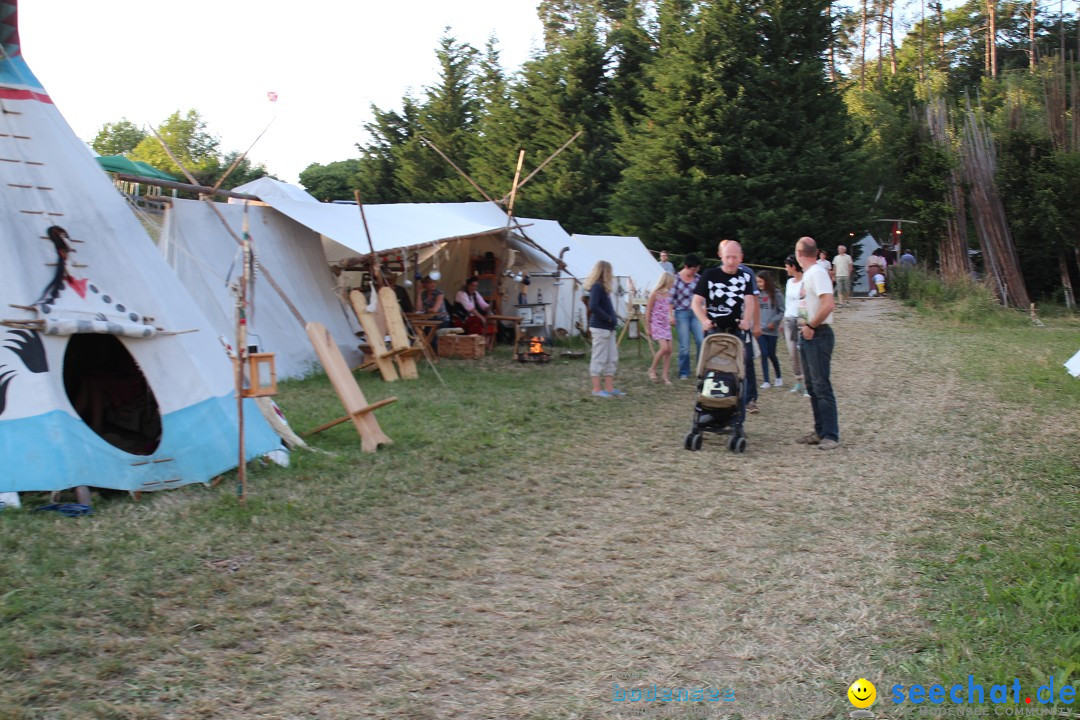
x=862 y=693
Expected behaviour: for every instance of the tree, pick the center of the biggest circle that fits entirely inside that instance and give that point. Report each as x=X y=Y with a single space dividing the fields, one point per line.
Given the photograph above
x=496 y=139
x=334 y=181
x=244 y=171
x=447 y=119
x=631 y=48
x=743 y=137
x=560 y=93
x=118 y=138
x=389 y=131
x=191 y=143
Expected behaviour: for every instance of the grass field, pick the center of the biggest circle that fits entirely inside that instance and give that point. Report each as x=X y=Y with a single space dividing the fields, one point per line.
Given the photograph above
x=522 y=544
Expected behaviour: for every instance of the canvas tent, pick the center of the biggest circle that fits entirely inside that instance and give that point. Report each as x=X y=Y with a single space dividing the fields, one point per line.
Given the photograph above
x=109 y=400
x=206 y=257
x=630 y=260
x=442 y=237
x=567 y=287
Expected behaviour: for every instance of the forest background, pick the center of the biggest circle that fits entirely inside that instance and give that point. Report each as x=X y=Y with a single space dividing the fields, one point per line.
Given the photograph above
x=759 y=120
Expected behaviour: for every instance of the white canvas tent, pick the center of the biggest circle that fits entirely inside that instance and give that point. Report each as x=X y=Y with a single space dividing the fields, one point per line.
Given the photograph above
x=110 y=400
x=567 y=287
x=630 y=260
x=206 y=257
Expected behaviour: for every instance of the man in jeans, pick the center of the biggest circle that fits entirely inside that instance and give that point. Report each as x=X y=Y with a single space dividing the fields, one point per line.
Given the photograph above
x=687 y=325
x=816 y=341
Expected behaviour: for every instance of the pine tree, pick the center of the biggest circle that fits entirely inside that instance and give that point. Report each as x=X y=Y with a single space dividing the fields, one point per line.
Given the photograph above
x=803 y=166
x=389 y=132
x=681 y=185
x=743 y=135
x=562 y=92
x=632 y=50
x=447 y=119
x=496 y=140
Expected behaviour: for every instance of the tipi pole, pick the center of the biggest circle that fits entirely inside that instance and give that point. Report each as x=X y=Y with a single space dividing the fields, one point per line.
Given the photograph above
x=550 y=158
x=514 y=187
x=240 y=158
x=465 y=175
x=241 y=350
x=213 y=206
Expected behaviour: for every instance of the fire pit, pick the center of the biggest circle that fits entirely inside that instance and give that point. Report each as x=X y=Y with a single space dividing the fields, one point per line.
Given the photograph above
x=534 y=349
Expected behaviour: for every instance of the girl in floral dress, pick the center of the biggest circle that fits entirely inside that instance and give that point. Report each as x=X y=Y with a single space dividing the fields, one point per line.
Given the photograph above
x=659 y=317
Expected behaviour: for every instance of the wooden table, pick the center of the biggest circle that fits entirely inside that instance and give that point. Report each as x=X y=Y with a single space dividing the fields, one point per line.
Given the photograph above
x=425 y=331
x=516 y=319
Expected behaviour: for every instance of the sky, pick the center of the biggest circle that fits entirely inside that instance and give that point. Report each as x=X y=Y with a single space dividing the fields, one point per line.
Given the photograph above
x=327 y=60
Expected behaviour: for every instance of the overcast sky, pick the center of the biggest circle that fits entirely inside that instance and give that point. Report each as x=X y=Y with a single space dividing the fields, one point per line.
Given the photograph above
x=327 y=60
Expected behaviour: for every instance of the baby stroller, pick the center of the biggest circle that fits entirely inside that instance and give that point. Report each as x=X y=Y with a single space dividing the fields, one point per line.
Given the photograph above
x=720 y=407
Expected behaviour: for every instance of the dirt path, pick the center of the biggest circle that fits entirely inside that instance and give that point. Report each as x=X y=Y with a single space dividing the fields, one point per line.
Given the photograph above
x=630 y=560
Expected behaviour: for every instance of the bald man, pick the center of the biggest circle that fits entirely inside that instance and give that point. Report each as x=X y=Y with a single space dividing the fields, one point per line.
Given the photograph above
x=816 y=341
x=724 y=301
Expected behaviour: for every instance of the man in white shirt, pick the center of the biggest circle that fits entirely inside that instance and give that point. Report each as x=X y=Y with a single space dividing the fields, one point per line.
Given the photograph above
x=666 y=263
x=842 y=269
x=816 y=341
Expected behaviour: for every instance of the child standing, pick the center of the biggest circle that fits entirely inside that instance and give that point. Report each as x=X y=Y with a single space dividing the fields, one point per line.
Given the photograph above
x=605 y=352
x=772 y=316
x=658 y=319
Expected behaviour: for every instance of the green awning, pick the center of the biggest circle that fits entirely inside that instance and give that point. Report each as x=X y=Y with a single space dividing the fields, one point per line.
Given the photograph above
x=122 y=164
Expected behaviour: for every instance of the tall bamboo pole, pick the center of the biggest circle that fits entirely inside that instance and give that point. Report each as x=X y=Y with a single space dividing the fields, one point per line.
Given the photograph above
x=952 y=249
x=240 y=354
x=988 y=212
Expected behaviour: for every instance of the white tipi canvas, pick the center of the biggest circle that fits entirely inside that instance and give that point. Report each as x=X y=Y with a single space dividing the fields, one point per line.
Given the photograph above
x=99 y=383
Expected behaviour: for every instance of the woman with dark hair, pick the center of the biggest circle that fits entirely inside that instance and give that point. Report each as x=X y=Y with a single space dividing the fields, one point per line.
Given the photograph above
x=791 y=319
x=476 y=308
x=686 y=323
x=771 y=303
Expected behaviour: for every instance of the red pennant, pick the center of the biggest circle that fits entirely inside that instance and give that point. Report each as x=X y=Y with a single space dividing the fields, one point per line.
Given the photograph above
x=78 y=285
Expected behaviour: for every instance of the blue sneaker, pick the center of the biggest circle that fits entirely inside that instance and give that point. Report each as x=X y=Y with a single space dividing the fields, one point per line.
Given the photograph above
x=601 y=393
x=616 y=393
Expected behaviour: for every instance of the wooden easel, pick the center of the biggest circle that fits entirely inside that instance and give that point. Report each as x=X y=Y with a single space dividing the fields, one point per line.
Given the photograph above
x=352 y=397
x=634 y=315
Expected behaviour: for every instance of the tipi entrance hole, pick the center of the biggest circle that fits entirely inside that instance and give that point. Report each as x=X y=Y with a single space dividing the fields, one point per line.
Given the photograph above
x=111 y=394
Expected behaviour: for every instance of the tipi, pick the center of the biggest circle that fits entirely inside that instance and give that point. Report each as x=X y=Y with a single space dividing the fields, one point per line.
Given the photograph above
x=95 y=387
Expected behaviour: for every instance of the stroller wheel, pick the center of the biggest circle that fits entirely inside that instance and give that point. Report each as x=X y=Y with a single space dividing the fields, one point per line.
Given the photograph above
x=697 y=441
x=688 y=443
x=738 y=445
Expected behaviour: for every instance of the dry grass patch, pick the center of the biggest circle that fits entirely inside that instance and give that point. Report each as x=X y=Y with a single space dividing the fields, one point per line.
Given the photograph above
x=519 y=549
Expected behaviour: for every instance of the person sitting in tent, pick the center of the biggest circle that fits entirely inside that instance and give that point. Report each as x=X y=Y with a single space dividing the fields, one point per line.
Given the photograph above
x=432 y=301
x=476 y=308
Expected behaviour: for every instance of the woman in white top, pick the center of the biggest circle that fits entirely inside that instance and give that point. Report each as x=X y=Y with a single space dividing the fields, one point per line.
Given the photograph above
x=791 y=319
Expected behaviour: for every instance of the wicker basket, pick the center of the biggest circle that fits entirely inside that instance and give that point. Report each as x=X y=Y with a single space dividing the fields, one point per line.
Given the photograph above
x=470 y=347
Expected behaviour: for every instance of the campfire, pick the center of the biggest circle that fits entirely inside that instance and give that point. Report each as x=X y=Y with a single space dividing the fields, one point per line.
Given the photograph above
x=533 y=349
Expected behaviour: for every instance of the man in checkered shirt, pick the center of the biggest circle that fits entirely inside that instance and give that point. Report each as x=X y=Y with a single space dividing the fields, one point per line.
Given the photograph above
x=724 y=292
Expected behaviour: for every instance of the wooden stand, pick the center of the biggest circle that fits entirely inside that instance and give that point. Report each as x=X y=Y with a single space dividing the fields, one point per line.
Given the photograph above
x=352 y=397
x=634 y=315
x=382 y=358
x=404 y=352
